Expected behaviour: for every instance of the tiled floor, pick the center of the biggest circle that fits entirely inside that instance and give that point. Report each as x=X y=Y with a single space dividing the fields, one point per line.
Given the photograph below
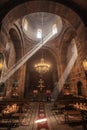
x=53 y=123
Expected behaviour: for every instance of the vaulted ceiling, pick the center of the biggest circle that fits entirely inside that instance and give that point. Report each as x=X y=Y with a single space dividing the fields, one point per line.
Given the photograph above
x=70 y=27
x=79 y=6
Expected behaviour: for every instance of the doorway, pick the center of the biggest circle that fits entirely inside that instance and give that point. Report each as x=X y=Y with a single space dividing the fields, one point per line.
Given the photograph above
x=79 y=88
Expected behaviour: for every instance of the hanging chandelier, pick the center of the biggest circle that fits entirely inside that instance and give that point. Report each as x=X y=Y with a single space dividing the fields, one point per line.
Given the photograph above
x=42 y=67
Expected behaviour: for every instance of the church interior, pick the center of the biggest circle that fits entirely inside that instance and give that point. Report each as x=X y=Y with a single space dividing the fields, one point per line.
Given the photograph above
x=43 y=65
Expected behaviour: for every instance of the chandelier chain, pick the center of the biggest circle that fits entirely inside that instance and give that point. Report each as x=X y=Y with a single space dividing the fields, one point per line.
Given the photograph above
x=42 y=67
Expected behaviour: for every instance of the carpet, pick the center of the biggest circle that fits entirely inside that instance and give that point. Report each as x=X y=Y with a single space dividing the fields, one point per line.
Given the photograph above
x=42 y=124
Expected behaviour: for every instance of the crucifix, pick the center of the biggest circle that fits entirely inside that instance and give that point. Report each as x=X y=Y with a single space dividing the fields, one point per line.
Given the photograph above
x=41 y=86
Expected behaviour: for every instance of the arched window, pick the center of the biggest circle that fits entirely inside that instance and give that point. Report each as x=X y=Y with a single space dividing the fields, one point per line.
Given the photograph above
x=25 y=24
x=54 y=29
x=39 y=33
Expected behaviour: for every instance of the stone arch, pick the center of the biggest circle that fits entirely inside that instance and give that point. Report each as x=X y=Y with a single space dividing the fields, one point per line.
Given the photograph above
x=51 y=76
x=17 y=42
x=42 y=6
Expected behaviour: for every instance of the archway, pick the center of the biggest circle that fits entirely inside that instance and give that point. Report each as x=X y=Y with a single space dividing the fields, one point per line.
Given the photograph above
x=18 y=53
x=79 y=88
x=39 y=6
x=17 y=44
x=32 y=77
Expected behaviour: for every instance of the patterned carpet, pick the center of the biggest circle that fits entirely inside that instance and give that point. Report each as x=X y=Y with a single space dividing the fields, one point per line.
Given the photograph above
x=42 y=124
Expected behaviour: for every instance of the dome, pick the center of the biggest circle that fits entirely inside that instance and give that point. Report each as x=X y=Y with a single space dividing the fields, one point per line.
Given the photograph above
x=37 y=24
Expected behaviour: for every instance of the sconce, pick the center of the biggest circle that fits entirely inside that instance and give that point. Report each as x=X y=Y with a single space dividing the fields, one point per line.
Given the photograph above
x=85 y=66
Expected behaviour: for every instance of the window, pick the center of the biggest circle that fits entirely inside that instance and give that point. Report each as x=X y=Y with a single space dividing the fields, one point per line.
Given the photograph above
x=25 y=24
x=39 y=33
x=54 y=29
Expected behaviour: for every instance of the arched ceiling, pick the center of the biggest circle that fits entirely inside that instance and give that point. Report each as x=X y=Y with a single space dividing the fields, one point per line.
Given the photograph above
x=34 y=20
x=79 y=6
x=49 y=23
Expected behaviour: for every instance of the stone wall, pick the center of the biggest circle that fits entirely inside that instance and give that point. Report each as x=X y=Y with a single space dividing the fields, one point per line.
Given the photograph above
x=75 y=29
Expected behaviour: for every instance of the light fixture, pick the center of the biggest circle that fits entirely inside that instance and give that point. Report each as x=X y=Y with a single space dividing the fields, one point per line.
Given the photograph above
x=85 y=66
x=42 y=67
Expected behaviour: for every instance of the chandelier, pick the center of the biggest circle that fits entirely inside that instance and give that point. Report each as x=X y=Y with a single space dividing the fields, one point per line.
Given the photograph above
x=42 y=67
